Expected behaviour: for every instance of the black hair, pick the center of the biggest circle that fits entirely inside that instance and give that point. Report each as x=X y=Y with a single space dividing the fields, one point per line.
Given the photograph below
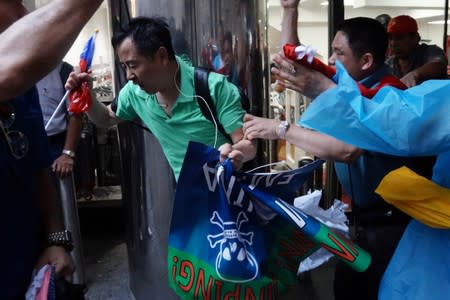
x=148 y=34
x=383 y=19
x=366 y=35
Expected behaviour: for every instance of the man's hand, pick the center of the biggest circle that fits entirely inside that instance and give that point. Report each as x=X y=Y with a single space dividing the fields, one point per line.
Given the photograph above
x=63 y=166
x=260 y=128
x=57 y=256
x=76 y=79
x=410 y=79
x=289 y=3
x=236 y=156
x=300 y=78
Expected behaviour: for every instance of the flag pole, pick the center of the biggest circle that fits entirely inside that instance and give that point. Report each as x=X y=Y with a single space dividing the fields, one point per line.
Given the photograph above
x=87 y=53
x=57 y=109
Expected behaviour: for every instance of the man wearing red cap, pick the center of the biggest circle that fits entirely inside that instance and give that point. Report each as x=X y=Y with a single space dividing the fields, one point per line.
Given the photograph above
x=412 y=62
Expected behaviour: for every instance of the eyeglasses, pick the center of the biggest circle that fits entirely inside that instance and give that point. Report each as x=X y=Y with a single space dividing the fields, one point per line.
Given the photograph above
x=17 y=142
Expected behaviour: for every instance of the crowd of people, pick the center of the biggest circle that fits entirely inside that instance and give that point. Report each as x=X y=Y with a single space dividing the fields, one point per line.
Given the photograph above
x=161 y=92
x=360 y=47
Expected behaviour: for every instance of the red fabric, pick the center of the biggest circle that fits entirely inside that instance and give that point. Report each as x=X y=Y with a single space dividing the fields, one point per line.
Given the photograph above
x=43 y=291
x=316 y=64
x=83 y=65
x=80 y=99
x=388 y=80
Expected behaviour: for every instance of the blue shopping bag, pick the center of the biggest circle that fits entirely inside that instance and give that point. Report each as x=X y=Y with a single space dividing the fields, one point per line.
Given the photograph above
x=232 y=236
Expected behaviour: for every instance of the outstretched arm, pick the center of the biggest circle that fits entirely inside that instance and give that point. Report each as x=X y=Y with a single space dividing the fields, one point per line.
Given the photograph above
x=241 y=151
x=36 y=43
x=304 y=80
x=52 y=219
x=318 y=144
x=100 y=114
x=289 y=34
x=431 y=70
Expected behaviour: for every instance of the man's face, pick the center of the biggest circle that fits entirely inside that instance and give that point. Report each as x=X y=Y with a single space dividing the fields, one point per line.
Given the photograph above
x=146 y=72
x=10 y=12
x=343 y=53
x=402 y=45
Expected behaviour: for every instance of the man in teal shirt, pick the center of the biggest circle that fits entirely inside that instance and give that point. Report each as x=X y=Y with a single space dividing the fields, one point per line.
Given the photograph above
x=161 y=92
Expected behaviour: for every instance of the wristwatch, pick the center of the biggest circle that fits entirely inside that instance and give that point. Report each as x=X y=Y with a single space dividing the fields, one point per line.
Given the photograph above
x=69 y=153
x=282 y=129
x=61 y=238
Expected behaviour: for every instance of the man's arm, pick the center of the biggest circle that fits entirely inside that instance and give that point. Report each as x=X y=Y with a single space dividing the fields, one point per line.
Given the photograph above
x=320 y=145
x=305 y=80
x=63 y=165
x=52 y=219
x=48 y=205
x=100 y=114
x=430 y=70
x=420 y=121
x=73 y=132
x=289 y=33
x=35 y=44
x=241 y=151
x=435 y=67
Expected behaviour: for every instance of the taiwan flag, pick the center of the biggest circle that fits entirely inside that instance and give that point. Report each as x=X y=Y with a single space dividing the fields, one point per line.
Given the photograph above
x=80 y=99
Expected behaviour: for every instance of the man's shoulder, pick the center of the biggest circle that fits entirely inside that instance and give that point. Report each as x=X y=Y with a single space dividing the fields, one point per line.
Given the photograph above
x=430 y=46
x=428 y=49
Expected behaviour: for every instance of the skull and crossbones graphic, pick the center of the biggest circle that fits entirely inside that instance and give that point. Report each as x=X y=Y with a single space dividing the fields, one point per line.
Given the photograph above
x=233 y=263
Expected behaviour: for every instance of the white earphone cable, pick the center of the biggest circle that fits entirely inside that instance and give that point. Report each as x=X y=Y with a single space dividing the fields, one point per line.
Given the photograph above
x=200 y=97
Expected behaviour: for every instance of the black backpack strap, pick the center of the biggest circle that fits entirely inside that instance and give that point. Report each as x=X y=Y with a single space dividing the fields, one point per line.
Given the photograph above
x=202 y=89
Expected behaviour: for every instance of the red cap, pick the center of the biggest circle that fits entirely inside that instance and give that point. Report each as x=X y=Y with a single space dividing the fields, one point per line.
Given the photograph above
x=402 y=25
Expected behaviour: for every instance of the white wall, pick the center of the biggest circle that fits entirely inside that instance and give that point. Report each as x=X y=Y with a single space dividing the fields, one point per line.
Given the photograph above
x=100 y=20
x=103 y=50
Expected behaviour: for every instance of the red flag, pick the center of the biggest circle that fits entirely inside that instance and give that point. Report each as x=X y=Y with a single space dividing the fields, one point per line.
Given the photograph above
x=316 y=64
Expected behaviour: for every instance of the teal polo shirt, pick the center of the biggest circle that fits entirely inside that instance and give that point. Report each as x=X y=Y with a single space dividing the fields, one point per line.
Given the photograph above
x=187 y=122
